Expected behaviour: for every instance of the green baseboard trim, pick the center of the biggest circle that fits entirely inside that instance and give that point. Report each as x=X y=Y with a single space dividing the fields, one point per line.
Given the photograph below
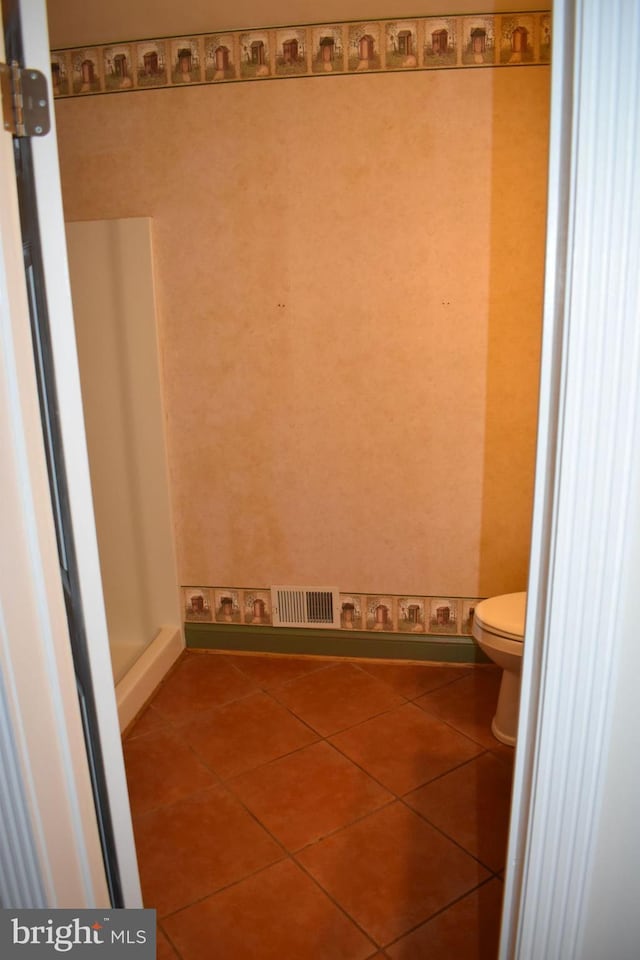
x=332 y=643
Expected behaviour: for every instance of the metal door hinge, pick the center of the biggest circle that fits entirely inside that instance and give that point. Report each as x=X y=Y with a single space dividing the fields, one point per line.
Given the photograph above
x=25 y=101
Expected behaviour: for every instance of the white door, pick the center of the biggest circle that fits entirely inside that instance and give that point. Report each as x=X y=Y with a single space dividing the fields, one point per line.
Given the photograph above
x=58 y=720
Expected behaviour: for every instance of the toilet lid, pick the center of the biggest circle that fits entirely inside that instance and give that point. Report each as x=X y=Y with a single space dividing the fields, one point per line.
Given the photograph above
x=503 y=615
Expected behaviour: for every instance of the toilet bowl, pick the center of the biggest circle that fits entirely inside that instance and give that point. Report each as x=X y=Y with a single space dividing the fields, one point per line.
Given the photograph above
x=498 y=626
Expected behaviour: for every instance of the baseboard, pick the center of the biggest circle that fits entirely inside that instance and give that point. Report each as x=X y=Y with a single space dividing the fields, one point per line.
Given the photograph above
x=138 y=684
x=331 y=643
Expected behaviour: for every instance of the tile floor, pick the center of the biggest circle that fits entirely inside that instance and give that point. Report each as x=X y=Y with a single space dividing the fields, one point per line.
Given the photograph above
x=312 y=809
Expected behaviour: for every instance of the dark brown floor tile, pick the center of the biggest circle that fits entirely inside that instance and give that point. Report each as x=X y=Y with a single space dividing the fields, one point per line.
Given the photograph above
x=405 y=747
x=149 y=719
x=190 y=849
x=471 y=805
x=336 y=697
x=202 y=854
x=164 y=950
x=504 y=752
x=278 y=914
x=411 y=680
x=391 y=871
x=245 y=733
x=469 y=930
x=272 y=671
x=162 y=768
x=308 y=794
x=468 y=704
x=200 y=682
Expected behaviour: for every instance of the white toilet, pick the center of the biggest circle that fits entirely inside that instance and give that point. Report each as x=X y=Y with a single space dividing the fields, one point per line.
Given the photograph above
x=498 y=626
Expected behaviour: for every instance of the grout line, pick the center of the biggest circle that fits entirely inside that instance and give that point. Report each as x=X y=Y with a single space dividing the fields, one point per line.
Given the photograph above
x=344 y=826
x=293 y=853
x=171 y=803
x=451 y=839
x=352 y=726
x=451 y=724
x=168 y=938
x=340 y=907
x=396 y=796
x=226 y=886
x=438 y=912
x=177 y=728
x=445 y=773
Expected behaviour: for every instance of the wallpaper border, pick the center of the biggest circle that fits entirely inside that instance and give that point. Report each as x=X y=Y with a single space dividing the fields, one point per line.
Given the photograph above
x=410 y=44
x=435 y=616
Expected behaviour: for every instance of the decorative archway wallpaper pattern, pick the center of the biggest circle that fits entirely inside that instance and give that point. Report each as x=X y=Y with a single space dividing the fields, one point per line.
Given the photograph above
x=428 y=43
x=440 y=616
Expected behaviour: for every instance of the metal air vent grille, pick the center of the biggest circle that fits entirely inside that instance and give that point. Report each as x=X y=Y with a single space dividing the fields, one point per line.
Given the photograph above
x=305 y=606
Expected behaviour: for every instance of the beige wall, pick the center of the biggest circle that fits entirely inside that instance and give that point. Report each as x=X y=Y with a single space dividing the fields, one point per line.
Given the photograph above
x=349 y=285
x=78 y=22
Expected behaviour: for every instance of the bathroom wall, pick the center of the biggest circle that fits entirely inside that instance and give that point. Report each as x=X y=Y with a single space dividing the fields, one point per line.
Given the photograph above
x=75 y=22
x=349 y=289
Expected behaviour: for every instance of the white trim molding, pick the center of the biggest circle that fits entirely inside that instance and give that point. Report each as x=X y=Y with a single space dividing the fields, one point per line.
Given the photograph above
x=582 y=588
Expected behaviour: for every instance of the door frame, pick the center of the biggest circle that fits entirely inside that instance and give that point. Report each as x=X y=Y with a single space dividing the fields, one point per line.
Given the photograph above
x=574 y=840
